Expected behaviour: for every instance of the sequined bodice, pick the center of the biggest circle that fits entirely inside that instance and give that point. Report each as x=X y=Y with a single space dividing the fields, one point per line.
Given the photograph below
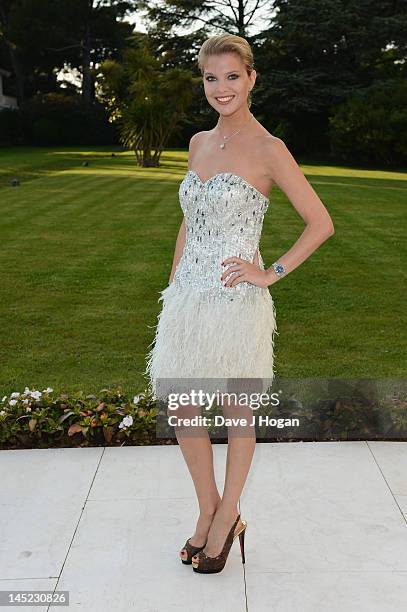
x=223 y=217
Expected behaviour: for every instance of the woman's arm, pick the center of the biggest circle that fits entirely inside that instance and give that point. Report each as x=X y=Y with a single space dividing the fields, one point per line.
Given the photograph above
x=179 y=249
x=319 y=226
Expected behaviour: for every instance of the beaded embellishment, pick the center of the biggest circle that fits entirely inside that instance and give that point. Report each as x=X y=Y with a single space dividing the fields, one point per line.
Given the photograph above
x=224 y=217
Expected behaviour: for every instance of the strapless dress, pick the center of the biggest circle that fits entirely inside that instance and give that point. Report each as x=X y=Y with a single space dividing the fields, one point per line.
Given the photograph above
x=207 y=334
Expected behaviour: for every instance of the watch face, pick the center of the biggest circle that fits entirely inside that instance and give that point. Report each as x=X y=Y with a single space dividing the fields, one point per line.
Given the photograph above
x=279 y=269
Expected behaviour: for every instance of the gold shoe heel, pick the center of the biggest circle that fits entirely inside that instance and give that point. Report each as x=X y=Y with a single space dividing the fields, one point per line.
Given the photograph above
x=241 y=534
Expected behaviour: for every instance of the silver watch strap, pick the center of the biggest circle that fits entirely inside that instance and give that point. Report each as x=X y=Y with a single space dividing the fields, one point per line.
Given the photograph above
x=279 y=269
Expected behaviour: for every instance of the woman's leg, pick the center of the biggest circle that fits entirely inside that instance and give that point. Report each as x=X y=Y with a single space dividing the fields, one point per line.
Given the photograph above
x=196 y=448
x=241 y=447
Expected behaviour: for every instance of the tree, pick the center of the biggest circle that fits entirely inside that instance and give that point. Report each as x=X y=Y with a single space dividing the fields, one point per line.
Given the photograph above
x=89 y=32
x=224 y=16
x=371 y=126
x=9 y=10
x=40 y=38
x=147 y=99
x=315 y=54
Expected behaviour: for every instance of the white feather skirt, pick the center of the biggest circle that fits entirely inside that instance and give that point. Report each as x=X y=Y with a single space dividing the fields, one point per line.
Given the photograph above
x=200 y=338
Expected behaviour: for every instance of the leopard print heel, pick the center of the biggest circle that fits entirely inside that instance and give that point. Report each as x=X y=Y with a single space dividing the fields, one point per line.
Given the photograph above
x=213 y=565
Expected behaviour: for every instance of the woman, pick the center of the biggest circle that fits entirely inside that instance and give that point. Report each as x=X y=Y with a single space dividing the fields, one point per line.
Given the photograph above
x=218 y=317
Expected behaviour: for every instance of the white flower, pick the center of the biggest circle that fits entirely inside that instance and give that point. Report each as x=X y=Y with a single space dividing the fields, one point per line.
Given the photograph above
x=27 y=391
x=12 y=402
x=4 y=398
x=26 y=401
x=15 y=394
x=136 y=399
x=126 y=422
x=28 y=409
x=48 y=390
x=2 y=412
x=36 y=394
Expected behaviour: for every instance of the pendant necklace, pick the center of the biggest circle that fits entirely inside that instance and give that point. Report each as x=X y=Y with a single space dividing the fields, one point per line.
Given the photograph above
x=226 y=138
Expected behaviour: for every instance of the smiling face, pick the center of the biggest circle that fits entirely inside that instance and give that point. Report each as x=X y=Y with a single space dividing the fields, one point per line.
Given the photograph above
x=227 y=83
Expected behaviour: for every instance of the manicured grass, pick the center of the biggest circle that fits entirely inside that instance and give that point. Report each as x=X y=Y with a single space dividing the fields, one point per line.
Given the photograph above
x=85 y=251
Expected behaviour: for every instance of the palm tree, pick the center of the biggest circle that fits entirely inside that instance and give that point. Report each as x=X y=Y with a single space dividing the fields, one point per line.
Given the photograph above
x=147 y=100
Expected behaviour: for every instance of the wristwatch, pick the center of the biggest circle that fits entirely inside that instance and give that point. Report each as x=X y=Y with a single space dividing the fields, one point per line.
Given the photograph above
x=279 y=269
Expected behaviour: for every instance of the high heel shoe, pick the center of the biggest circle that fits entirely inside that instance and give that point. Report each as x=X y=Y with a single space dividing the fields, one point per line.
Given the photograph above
x=213 y=565
x=191 y=551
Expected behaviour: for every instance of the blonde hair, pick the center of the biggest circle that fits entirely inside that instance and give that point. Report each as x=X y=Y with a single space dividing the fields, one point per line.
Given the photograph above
x=227 y=43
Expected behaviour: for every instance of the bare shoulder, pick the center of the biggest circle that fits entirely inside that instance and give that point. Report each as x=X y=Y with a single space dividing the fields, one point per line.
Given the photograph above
x=195 y=144
x=277 y=156
x=196 y=140
x=273 y=146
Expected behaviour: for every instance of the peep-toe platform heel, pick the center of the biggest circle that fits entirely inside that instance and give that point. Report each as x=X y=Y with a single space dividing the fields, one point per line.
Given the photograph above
x=213 y=565
x=191 y=551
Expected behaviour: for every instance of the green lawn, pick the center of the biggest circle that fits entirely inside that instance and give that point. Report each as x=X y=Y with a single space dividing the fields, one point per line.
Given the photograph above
x=86 y=250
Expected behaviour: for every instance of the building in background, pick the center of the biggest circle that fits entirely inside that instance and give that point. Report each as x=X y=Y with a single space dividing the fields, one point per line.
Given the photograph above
x=6 y=101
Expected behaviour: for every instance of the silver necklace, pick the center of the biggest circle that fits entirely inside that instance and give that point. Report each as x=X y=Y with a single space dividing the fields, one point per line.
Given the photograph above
x=226 y=138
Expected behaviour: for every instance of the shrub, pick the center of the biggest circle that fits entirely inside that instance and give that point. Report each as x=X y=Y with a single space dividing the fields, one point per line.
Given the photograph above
x=11 y=127
x=57 y=119
x=40 y=419
x=48 y=132
x=371 y=125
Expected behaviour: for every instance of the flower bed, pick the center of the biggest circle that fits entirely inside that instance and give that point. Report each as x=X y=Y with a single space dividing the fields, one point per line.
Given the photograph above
x=38 y=419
